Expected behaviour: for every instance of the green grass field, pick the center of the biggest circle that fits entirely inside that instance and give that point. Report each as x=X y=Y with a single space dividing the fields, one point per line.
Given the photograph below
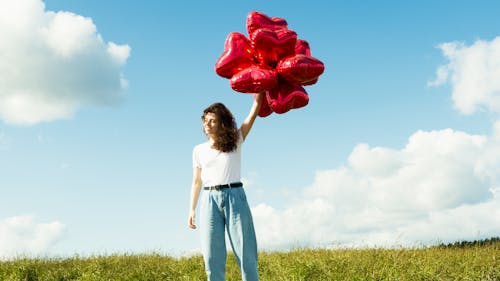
x=459 y=261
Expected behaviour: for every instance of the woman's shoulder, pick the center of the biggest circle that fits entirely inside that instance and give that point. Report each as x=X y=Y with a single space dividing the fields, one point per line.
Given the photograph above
x=200 y=146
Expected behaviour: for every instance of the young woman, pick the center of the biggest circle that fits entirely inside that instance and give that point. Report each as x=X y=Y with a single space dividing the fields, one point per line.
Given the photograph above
x=223 y=203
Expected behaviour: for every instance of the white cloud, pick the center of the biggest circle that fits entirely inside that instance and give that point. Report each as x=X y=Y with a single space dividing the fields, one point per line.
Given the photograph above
x=473 y=72
x=440 y=187
x=21 y=235
x=52 y=63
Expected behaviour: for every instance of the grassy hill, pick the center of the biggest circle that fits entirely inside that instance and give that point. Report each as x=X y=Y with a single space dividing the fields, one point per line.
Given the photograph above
x=477 y=260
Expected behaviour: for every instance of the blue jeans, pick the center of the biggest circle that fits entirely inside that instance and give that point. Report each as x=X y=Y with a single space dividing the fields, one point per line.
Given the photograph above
x=227 y=210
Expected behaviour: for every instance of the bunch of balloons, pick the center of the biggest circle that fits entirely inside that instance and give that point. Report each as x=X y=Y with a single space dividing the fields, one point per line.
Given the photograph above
x=271 y=60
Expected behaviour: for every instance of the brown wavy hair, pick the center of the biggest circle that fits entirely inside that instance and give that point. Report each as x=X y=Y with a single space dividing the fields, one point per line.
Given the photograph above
x=226 y=134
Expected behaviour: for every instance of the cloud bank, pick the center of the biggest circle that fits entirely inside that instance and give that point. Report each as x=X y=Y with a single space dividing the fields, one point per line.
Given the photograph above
x=442 y=186
x=21 y=235
x=53 y=63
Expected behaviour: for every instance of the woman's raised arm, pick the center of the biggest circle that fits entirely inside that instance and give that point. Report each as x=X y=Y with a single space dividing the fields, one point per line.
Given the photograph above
x=254 y=111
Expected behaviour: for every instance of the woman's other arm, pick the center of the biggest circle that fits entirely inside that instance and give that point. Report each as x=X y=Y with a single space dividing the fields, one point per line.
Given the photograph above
x=195 y=193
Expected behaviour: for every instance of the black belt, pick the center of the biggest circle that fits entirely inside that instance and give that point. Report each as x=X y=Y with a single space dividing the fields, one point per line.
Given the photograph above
x=222 y=186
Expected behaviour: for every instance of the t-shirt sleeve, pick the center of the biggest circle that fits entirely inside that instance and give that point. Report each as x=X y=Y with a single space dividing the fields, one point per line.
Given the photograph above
x=196 y=160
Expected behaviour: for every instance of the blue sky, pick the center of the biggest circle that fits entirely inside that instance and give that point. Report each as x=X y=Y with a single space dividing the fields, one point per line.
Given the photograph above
x=100 y=105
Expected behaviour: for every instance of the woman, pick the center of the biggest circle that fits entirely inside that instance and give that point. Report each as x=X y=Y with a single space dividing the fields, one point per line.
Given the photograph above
x=223 y=203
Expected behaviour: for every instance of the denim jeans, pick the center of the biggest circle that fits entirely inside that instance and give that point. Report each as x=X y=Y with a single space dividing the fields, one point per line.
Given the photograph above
x=227 y=210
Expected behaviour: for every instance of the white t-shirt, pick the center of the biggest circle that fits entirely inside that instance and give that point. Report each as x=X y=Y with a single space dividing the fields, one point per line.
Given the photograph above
x=218 y=167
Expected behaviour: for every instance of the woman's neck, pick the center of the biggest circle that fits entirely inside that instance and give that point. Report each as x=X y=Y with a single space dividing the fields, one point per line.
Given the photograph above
x=211 y=140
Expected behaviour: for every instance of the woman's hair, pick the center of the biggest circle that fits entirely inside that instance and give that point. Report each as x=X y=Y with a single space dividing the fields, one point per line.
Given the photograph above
x=226 y=135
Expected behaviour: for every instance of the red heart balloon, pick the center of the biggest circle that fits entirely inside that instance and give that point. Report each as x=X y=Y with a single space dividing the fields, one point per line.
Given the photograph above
x=237 y=55
x=270 y=46
x=254 y=79
x=256 y=20
x=265 y=110
x=302 y=47
x=286 y=97
x=300 y=69
x=287 y=40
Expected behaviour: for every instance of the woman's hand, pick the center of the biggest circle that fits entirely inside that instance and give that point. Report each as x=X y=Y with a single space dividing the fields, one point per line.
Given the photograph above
x=191 y=220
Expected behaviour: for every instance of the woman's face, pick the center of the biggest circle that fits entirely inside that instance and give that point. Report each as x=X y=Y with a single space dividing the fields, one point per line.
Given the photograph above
x=209 y=123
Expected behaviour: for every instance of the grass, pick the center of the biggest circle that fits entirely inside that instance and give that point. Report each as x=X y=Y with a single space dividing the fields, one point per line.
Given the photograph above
x=472 y=261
